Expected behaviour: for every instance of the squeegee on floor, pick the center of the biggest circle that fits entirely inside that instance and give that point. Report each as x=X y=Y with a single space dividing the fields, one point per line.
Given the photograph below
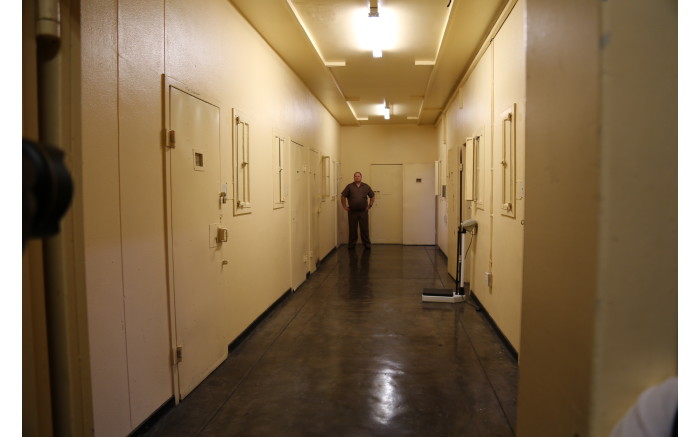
x=442 y=295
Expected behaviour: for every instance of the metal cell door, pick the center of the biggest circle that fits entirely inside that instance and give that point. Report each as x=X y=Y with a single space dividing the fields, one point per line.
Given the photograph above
x=315 y=186
x=196 y=261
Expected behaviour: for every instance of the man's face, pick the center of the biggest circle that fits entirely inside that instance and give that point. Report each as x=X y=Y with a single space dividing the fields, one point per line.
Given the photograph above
x=358 y=177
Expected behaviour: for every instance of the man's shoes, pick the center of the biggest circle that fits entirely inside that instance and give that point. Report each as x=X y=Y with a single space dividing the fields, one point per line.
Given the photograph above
x=368 y=247
x=351 y=246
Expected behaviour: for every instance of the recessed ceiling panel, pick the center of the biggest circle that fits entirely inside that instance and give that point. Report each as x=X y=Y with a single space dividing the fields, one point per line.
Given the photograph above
x=426 y=47
x=409 y=31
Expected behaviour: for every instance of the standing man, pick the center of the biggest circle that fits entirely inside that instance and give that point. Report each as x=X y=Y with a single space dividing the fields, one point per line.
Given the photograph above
x=354 y=200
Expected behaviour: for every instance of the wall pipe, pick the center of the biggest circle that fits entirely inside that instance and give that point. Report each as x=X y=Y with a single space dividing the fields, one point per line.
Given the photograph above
x=69 y=403
x=48 y=19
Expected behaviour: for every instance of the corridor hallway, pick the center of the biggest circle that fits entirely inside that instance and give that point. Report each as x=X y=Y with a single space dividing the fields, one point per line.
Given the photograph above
x=354 y=352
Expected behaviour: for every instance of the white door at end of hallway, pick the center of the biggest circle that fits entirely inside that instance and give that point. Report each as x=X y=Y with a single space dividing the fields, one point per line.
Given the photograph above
x=386 y=216
x=419 y=206
x=196 y=266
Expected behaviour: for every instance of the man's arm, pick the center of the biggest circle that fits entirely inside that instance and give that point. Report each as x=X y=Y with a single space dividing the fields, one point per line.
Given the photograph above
x=343 y=201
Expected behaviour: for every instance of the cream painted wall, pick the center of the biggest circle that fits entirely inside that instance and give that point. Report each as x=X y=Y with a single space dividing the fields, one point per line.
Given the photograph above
x=141 y=205
x=559 y=277
x=504 y=301
x=600 y=273
x=637 y=327
x=469 y=115
x=103 y=246
x=496 y=82
x=377 y=144
x=471 y=118
x=128 y=46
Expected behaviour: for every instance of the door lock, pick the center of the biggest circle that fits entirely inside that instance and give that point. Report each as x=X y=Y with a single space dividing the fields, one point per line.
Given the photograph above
x=222 y=235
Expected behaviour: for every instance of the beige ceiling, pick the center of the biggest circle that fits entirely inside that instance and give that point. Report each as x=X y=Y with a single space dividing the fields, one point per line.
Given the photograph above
x=429 y=46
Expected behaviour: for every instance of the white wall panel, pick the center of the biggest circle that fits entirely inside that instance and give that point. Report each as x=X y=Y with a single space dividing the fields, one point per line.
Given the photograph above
x=102 y=224
x=419 y=203
x=142 y=206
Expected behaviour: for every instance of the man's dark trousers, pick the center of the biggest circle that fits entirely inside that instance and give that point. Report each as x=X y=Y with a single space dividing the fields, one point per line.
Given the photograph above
x=361 y=218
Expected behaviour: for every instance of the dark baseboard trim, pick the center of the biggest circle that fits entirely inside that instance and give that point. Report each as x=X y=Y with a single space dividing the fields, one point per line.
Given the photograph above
x=331 y=252
x=495 y=327
x=147 y=425
x=241 y=338
x=247 y=331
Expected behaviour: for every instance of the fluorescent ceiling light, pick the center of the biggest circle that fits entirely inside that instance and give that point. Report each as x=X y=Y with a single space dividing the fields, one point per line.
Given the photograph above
x=375 y=32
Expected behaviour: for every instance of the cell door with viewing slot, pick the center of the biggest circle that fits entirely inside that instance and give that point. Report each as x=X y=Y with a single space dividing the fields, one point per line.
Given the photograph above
x=195 y=246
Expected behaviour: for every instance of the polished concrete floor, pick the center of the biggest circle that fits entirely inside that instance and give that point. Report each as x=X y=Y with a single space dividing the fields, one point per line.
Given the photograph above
x=354 y=352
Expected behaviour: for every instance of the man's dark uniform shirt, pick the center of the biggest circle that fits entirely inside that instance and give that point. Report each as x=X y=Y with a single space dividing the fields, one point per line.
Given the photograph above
x=357 y=196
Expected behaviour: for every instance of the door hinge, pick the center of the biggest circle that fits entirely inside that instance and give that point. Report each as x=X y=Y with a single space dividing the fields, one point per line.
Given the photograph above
x=171 y=139
x=178 y=354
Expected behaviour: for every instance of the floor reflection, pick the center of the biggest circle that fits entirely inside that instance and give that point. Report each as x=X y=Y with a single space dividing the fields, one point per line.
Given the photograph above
x=358 y=276
x=355 y=352
x=386 y=398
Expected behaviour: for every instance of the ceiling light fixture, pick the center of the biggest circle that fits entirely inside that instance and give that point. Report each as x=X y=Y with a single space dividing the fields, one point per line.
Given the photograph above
x=375 y=31
x=387 y=112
